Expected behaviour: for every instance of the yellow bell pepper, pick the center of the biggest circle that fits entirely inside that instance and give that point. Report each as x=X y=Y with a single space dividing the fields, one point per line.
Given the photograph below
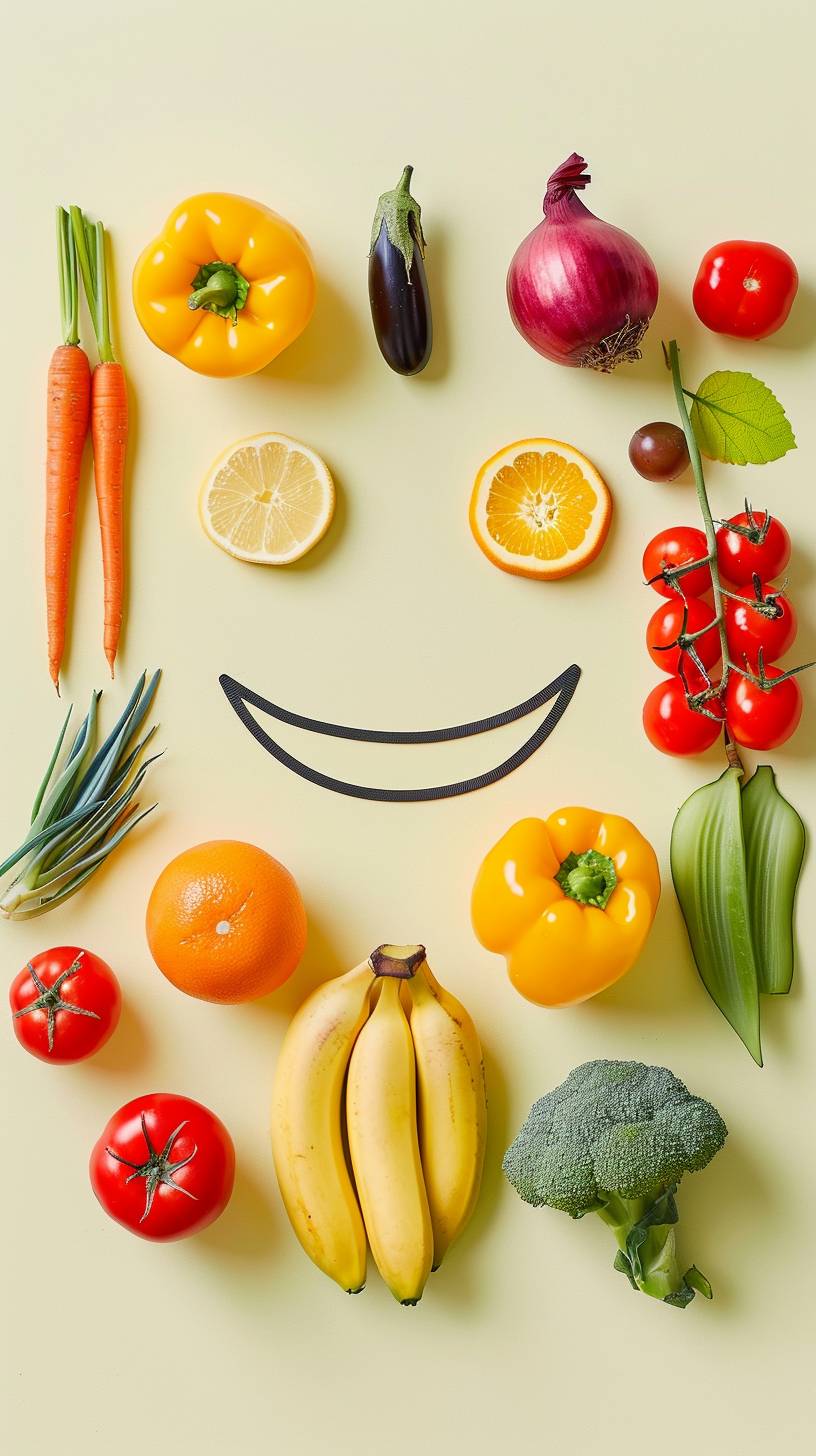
x=226 y=286
x=569 y=901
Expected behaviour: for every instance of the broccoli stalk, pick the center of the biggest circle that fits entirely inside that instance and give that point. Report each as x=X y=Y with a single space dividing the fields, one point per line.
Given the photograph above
x=647 y=1252
x=615 y=1139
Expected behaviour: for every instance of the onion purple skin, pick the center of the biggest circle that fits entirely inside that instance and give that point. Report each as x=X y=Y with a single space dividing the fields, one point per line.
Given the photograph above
x=582 y=292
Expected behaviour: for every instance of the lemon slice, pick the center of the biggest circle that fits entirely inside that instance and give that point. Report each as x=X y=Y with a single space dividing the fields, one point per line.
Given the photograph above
x=267 y=499
x=539 y=508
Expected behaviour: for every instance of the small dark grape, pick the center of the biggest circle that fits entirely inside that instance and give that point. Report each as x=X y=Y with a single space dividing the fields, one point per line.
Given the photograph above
x=659 y=451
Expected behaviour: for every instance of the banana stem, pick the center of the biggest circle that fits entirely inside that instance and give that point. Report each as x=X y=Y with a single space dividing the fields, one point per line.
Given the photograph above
x=399 y=961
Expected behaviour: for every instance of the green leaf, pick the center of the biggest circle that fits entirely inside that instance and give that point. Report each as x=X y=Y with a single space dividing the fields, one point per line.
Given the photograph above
x=737 y=419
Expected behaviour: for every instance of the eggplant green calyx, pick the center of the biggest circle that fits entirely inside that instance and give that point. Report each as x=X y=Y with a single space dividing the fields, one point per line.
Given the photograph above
x=219 y=288
x=402 y=216
x=588 y=878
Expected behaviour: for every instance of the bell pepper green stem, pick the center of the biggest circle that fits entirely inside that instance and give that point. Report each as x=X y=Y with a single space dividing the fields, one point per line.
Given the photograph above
x=588 y=878
x=221 y=289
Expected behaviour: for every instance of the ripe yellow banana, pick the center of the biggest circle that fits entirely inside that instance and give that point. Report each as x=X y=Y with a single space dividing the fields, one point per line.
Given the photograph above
x=382 y=1132
x=452 y=1105
x=307 y=1135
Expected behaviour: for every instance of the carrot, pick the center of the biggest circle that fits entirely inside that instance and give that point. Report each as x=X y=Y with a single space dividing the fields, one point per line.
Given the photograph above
x=69 y=392
x=109 y=425
x=109 y=430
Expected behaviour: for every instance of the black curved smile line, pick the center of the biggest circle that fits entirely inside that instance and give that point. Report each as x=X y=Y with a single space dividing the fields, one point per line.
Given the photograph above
x=561 y=688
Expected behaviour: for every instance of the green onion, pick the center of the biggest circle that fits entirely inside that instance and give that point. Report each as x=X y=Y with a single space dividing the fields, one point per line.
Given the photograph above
x=83 y=809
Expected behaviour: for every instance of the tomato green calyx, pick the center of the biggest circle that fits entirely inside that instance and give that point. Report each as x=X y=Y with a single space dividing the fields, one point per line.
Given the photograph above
x=588 y=878
x=50 y=1001
x=685 y=641
x=402 y=216
x=157 y=1167
x=760 y=678
x=765 y=604
x=219 y=288
x=755 y=531
x=672 y=575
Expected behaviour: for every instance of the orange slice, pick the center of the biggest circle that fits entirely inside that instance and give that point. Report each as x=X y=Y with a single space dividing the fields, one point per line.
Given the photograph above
x=539 y=508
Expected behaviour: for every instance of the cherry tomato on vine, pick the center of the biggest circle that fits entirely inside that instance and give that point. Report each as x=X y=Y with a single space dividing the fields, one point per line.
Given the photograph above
x=659 y=451
x=65 y=1003
x=666 y=625
x=747 y=546
x=672 y=726
x=164 y=1166
x=676 y=547
x=762 y=718
x=745 y=289
x=759 y=618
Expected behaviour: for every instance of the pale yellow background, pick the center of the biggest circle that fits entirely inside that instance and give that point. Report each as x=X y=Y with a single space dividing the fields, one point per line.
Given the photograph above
x=697 y=121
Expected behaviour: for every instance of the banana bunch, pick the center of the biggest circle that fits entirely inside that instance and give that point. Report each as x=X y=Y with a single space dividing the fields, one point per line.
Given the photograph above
x=379 y=1122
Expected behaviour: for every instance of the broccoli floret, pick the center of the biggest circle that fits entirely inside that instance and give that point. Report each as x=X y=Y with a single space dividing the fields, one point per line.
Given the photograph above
x=615 y=1139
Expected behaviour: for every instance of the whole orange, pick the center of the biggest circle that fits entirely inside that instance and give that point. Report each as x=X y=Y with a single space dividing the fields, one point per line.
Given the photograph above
x=226 y=922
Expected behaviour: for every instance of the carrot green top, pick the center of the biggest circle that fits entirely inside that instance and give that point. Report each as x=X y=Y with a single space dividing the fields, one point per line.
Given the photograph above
x=69 y=291
x=89 y=239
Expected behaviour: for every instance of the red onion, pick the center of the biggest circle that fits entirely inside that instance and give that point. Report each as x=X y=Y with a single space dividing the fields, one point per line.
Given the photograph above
x=580 y=291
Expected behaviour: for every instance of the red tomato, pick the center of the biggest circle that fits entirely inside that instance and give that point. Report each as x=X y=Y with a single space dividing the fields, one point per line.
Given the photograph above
x=164 y=1166
x=745 y=289
x=762 y=718
x=65 y=1004
x=676 y=547
x=747 y=546
x=666 y=625
x=759 y=617
x=672 y=726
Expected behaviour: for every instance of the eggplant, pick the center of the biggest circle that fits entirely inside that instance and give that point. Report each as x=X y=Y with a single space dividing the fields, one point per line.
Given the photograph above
x=397 y=286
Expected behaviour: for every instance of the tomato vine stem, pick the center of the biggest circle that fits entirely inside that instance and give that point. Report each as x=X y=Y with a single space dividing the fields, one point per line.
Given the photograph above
x=705 y=508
